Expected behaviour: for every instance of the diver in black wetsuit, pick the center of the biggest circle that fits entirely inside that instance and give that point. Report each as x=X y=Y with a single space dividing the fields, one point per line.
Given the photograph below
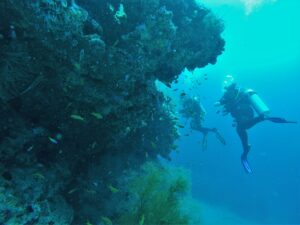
x=247 y=109
x=196 y=124
x=193 y=110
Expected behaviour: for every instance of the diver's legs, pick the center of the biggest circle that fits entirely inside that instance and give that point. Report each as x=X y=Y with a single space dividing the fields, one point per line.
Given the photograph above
x=242 y=132
x=205 y=132
x=204 y=141
x=261 y=118
x=254 y=121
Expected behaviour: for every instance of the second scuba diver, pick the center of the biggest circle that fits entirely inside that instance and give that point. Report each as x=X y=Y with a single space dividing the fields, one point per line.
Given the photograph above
x=193 y=110
x=247 y=109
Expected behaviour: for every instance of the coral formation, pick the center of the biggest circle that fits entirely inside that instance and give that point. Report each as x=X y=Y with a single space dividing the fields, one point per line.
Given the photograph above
x=78 y=99
x=156 y=196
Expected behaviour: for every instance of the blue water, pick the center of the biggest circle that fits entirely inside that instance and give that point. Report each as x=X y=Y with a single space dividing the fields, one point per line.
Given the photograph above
x=263 y=53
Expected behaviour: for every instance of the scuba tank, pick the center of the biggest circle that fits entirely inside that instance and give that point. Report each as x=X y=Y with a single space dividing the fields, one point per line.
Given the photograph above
x=257 y=103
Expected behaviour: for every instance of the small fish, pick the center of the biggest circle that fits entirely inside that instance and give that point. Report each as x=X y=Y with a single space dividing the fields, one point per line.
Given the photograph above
x=182 y=94
x=72 y=191
x=70 y=104
x=180 y=125
x=116 y=43
x=153 y=145
x=113 y=189
x=76 y=117
x=97 y=115
x=187 y=135
x=94 y=144
x=53 y=140
x=39 y=175
x=176 y=89
x=142 y=220
x=77 y=66
x=106 y=220
x=89 y=191
x=30 y=148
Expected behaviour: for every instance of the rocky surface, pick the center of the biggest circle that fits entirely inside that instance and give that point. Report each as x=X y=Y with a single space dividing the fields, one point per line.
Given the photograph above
x=78 y=100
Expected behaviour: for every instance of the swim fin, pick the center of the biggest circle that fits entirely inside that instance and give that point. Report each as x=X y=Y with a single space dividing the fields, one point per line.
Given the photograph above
x=246 y=164
x=220 y=138
x=279 y=120
x=204 y=142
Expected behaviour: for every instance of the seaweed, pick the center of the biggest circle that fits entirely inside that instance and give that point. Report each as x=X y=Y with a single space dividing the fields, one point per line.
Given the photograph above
x=158 y=194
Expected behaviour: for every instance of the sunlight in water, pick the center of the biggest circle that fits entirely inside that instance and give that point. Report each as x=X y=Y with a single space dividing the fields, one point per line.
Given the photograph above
x=248 y=5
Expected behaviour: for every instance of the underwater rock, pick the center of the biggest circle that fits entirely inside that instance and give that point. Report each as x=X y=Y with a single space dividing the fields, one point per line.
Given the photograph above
x=167 y=36
x=31 y=196
x=77 y=89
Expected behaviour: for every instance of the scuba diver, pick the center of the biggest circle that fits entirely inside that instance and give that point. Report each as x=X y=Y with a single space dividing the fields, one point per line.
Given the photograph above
x=247 y=109
x=192 y=109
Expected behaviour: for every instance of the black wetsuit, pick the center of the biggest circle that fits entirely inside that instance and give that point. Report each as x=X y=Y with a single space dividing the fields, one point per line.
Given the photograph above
x=245 y=118
x=236 y=102
x=196 y=124
x=193 y=111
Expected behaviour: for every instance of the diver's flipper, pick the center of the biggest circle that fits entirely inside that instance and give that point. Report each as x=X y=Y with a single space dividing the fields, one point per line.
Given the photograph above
x=204 y=142
x=246 y=164
x=220 y=138
x=279 y=120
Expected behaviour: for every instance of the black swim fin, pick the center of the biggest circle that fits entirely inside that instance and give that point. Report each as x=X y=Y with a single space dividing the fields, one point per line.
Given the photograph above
x=279 y=120
x=220 y=138
x=246 y=164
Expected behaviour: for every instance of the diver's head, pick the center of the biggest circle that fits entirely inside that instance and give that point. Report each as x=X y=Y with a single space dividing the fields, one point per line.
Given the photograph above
x=231 y=87
x=228 y=81
x=230 y=93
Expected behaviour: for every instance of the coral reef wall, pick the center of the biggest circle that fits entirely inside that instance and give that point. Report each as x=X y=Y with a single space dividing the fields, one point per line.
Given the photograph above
x=78 y=100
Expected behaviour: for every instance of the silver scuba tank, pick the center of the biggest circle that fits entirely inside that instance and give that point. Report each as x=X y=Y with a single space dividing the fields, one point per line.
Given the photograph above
x=257 y=103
